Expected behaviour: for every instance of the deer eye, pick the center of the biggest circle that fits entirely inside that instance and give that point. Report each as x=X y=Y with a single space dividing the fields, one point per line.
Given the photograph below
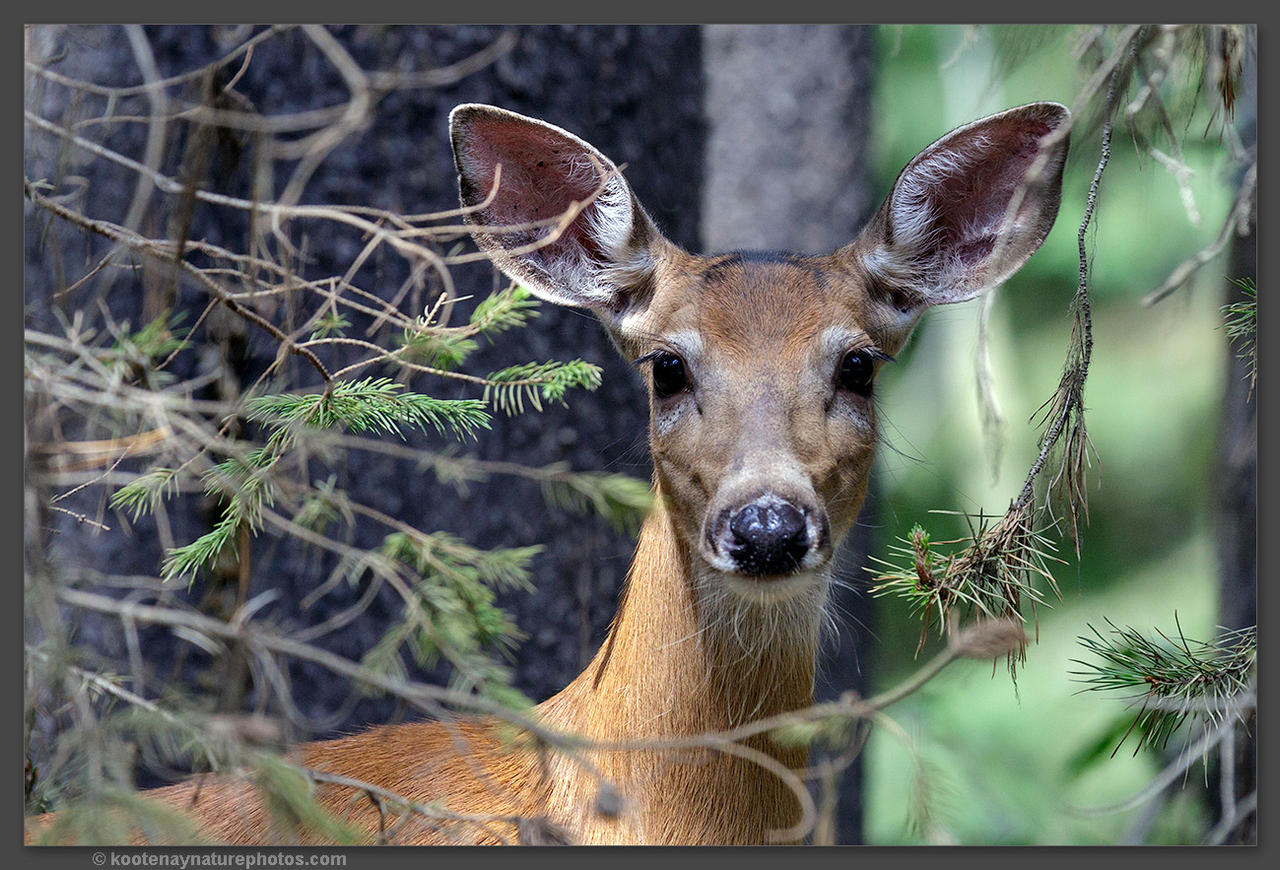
x=857 y=370
x=669 y=376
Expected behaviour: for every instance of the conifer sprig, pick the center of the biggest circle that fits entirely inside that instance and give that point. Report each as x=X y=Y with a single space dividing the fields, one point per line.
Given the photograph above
x=453 y=613
x=437 y=349
x=622 y=501
x=187 y=560
x=446 y=348
x=323 y=506
x=1170 y=678
x=510 y=388
x=330 y=323
x=999 y=568
x=161 y=338
x=509 y=308
x=243 y=484
x=141 y=495
x=988 y=576
x=373 y=405
x=257 y=459
x=1242 y=326
x=619 y=499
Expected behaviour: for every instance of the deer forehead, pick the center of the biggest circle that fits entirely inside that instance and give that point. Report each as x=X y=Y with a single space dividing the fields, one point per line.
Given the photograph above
x=737 y=312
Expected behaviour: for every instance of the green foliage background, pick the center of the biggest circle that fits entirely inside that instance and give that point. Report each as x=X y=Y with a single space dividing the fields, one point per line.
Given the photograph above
x=1007 y=764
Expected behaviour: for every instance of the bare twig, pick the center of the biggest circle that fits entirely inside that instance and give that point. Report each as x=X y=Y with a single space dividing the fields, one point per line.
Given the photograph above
x=1237 y=223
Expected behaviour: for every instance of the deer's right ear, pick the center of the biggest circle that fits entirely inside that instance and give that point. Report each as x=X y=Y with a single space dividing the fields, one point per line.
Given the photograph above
x=552 y=212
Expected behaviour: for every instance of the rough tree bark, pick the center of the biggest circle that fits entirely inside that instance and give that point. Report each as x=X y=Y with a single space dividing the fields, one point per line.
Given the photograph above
x=1236 y=486
x=633 y=91
x=1236 y=513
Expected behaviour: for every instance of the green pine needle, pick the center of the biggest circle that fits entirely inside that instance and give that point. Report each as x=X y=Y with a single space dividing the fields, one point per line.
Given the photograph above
x=141 y=495
x=186 y=561
x=439 y=349
x=997 y=571
x=1242 y=325
x=509 y=308
x=112 y=816
x=1170 y=678
x=453 y=614
x=443 y=553
x=156 y=340
x=448 y=347
x=373 y=405
x=535 y=383
x=325 y=505
x=330 y=323
x=290 y=800
x=620 y=500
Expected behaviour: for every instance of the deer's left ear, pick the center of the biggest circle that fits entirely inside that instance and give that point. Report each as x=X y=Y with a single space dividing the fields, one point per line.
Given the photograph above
x=601 y=259
x=968 y=211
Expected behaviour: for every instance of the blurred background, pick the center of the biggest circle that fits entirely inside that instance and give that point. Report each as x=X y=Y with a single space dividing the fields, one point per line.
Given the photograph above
x=1160 y=379
x=774 y=137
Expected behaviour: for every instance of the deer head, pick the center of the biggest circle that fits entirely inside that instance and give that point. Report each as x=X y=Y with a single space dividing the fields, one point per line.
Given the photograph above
x=761 y=367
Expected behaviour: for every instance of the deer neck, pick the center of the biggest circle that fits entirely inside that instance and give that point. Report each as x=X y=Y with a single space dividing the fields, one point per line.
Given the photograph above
x=686 y=657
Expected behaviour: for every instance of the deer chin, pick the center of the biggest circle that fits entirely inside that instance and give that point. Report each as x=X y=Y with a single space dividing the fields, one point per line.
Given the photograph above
x=772 y=590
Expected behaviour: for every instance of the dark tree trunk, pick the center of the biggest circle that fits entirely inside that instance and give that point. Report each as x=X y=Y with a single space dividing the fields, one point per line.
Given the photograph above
x=635 y=92
x=1236 y=497
x=1236 y=491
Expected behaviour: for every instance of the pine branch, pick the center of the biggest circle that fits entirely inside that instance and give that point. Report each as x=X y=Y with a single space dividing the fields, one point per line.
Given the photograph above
x=998 y=571
x=290 y=799
x=622 y=501
x=446 y=348
x=162 y=337
x=1242 y=326
x=323 y=506
x=186 y=561
x=989 y=577
x=375 y=405
x=141 y=495
x=437 y=349
x=509 y=308
x=1170 y=678
x=243 y=483
x=330 y=323
x=511 y=387
x=450 y=590
x=453 y=612
x=114 y=815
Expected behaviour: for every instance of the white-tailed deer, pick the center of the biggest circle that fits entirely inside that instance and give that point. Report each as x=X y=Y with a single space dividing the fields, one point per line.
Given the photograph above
x=760 y=370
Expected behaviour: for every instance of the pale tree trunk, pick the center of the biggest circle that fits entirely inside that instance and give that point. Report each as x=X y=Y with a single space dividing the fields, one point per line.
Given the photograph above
x=788 y=114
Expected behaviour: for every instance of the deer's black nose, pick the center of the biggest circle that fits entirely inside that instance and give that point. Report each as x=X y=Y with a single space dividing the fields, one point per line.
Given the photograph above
x=768 y=537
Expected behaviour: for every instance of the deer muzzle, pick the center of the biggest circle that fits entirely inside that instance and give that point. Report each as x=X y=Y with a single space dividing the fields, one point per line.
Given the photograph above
x=769 y=536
